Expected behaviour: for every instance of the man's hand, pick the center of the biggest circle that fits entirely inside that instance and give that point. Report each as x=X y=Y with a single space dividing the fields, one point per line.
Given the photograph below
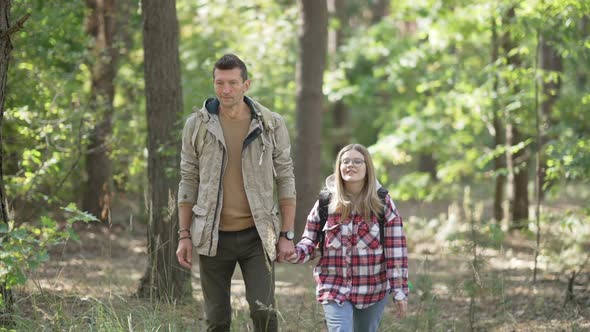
x=184 y=253
x=402 y=308
x=285 y=248
x=293 y=258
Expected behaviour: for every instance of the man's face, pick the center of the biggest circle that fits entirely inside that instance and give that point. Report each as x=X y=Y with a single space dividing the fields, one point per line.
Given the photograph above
x=229 y=86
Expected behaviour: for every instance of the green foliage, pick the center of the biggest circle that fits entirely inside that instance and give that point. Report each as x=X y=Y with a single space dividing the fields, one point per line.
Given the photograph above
x=25 y=247
x=571 y=225
x=569 y=158
x=45 y=101
x=261 y=32
x=422 y=82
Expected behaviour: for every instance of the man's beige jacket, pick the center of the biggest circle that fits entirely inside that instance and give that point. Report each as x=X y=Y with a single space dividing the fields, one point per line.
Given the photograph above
x=266 y=162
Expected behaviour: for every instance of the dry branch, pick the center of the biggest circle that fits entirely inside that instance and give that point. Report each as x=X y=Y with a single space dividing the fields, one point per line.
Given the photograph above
x=16 y=27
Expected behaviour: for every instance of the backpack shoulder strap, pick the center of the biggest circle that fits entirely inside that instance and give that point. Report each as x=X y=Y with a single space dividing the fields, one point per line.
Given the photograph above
x=200 y=132
x=382 y=193
x=267 y=120
x=200 y=138
x=324 y=201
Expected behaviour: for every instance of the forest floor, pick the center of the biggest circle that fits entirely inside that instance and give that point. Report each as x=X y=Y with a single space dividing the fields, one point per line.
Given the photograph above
x=90 y=286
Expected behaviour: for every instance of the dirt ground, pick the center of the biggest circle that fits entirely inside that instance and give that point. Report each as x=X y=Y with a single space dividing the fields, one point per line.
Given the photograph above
x=108 y=262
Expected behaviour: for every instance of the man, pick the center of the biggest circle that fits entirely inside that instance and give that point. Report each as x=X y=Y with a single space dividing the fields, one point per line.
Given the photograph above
x=234 y=153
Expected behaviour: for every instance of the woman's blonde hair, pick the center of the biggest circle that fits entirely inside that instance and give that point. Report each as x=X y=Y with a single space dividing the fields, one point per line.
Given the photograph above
x=367 y=202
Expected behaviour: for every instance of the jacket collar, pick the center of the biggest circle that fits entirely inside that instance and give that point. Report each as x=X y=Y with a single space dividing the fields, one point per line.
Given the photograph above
x=212 y=106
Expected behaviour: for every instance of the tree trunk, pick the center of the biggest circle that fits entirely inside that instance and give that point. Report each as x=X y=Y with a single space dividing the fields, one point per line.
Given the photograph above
x=499 y=140
x=5 y=48
x=517 y=163
x=427 y=164
x=520 y=214
x=581 y=75
x=311 y=62
x=340 y=131
x=101 y=26
x=551 y=62
x=378 y=10
x=164 y=278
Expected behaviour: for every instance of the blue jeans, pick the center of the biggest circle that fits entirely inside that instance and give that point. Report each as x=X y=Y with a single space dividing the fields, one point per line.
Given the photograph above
x=347 y=318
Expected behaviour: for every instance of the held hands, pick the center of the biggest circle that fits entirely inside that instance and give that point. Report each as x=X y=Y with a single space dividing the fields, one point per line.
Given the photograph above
x=184 y=253
x=293 y=257
x=285 y=250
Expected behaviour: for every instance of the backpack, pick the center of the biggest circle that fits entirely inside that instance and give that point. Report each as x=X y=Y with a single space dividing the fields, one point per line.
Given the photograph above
x=324 y=201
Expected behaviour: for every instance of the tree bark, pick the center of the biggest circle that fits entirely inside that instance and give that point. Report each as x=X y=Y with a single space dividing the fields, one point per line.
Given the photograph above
x=311 y=62
x=520 y=214
x=517 y=163
x=101 y=26
x=5 y=48
x=582 y=76
x=340 y=131
x=164 y=278
x=378 y=10
x=550 y=62
x=427 y=164
x=499 y=140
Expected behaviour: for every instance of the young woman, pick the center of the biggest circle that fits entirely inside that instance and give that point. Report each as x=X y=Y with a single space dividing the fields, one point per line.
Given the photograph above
x=358 y=267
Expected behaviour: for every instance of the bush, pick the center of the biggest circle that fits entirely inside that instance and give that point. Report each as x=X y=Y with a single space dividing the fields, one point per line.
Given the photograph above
x=26 y=246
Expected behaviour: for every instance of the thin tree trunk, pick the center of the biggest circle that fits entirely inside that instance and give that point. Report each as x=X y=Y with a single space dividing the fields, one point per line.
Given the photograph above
x=538 y=189
x=5 y=48
x=499 y=140
x=164 y=278
x=509 y=208
x=311 y=62
x=550 y=62
x=101 y=26
x=340 y=131
x=520 y=214
x=378 y=10
x=427 y=164
x=581 y=76
x=517 y=163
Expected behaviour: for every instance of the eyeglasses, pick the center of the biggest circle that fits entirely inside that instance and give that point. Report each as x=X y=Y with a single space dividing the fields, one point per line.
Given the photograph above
x=355 y=162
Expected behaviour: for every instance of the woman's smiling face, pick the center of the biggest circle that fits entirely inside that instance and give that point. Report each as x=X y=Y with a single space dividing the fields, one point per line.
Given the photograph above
x=352 y=166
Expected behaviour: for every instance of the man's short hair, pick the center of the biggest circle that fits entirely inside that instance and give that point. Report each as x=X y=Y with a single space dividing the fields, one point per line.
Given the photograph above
x=231 y=61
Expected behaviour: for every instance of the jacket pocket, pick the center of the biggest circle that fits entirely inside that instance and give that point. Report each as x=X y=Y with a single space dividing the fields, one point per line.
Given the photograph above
x=198 y=225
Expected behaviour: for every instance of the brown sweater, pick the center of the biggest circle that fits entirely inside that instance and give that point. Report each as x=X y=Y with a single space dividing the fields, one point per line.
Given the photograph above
x=235 y=214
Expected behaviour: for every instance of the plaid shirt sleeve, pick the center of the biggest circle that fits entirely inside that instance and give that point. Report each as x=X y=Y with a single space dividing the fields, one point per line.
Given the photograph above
x=396 y=252
x=305 y=249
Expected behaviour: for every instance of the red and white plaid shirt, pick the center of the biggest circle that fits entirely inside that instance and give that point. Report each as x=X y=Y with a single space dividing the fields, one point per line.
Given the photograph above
x=354 y=267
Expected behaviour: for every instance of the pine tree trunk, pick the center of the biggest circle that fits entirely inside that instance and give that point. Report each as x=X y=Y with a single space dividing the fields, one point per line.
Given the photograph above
x=520 y=214
x=101 y=26
x=517 y=163
x=311 y=62
x=581 y=76
x=340 y=131
x=550 y=61
x=378 y=10
x=164 y=278
x=427 y=164
x=499 y=140
x=5 y=48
